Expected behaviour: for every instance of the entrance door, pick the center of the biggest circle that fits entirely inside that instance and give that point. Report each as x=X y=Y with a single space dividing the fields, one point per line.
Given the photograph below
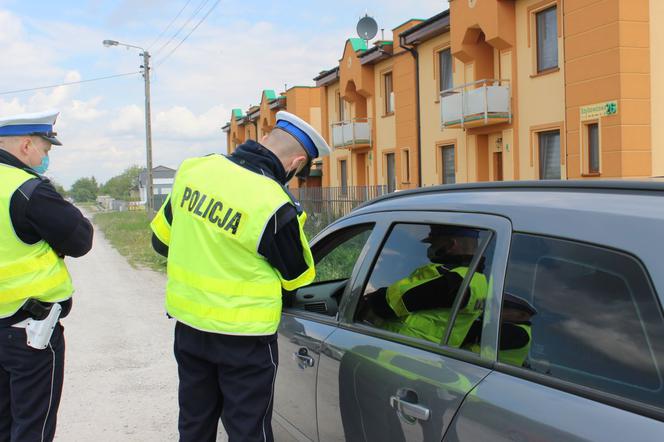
x=391 y=172
x=498 y=166
x=361 y=168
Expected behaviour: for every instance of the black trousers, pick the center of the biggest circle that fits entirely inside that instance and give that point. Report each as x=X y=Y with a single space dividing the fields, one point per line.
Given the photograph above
x=227 y=377
x=30 y=386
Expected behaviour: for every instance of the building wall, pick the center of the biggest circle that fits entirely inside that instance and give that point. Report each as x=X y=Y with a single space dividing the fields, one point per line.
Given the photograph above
x=325 y=132
x=541 y=102
x=607 y=58
x=385 y=140
x=433 y=134
x=657 y=85
x=405 y=110
x=332 y=116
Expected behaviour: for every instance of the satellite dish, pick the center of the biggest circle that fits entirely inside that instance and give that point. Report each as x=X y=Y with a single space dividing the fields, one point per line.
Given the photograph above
x=367 y=28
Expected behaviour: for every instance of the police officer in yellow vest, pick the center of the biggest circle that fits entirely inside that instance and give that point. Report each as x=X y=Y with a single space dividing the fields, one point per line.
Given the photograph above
x=37 y=229
x=234 y=239
x=420 y=304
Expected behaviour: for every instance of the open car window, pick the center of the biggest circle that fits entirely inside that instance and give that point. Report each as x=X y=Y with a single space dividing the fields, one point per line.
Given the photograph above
x=335 y=257
x=430 y=283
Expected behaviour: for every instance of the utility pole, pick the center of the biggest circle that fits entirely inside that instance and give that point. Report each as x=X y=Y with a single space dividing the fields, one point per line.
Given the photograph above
x=148 y=133
x=149 y=200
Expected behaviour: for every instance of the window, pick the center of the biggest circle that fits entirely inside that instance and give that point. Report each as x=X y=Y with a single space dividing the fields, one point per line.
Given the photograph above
x=549 y=155
x=415 y=286
x=389 y=94
x=448 y=166
x=593 y=147
x=583 y=314
x=342 y=110
x=391 y=172
x=335 y=257
x=547 y=39
x=445 y=70
x=405 y=155
x=343 y=176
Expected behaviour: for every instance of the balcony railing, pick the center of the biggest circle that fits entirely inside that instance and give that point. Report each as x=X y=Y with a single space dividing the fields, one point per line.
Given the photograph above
x=351 y=133
x=479 y=103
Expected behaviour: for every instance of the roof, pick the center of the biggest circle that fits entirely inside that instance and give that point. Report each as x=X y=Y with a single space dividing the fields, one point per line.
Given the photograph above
x=237 y=113
x=358 y=44
x=407 y=21
x=377 y=53
x=327 y=77
x=436 y=25
x=269 y=94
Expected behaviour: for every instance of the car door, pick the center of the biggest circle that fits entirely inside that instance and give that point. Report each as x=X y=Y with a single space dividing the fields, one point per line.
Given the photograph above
x=309 y=316
x=378 y=381
x=581 y=353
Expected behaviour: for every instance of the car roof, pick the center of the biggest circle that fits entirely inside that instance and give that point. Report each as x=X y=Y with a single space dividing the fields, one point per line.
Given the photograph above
x=625 y=215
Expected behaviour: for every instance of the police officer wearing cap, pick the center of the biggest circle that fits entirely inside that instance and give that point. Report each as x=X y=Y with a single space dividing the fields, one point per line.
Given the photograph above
x=38 y=228
x=234 y=239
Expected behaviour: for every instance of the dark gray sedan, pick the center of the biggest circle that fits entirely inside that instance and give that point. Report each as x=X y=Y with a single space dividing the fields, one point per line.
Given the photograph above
x=488 y=312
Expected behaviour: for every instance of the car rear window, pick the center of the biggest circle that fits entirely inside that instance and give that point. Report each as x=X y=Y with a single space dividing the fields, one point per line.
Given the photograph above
x=583 y=314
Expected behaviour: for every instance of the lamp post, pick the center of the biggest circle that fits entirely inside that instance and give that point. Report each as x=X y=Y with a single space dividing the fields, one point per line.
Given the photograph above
x=148 y=125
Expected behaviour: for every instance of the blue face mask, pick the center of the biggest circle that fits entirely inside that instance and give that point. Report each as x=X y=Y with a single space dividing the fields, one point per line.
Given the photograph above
x=43 y=167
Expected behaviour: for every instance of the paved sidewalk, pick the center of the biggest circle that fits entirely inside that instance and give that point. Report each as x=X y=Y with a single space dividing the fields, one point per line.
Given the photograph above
x=120 y=373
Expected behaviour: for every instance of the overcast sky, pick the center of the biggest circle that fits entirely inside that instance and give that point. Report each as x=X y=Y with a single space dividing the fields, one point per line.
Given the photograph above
x=240 y=49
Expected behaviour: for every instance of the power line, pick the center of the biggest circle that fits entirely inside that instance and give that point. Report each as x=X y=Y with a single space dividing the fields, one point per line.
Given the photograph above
x=70 y=83
x=190 y=32
x=184 y=25
x=169 y=25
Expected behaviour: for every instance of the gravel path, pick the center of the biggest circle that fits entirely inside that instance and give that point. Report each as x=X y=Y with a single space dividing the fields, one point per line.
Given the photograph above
x=120 y=373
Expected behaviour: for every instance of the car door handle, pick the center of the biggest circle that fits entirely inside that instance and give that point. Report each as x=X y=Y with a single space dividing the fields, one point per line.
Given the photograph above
x=303 y=357
x=405 y=404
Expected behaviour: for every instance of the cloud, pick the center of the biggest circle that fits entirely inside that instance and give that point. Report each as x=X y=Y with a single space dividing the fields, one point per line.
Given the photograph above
x=129 y=119
x=181 y=123
x=237 y=52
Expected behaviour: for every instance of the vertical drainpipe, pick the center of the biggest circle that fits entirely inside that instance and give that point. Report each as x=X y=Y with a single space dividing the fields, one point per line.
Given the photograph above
x=415 y=55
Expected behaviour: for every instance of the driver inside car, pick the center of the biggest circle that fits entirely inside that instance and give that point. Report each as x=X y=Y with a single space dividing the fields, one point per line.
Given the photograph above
x=420 y=304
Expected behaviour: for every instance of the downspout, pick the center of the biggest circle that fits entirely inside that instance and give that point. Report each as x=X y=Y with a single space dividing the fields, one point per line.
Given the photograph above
x=415 y=55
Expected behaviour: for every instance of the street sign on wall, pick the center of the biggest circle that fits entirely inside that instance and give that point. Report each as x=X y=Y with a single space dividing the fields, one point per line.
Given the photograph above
x=594 y=111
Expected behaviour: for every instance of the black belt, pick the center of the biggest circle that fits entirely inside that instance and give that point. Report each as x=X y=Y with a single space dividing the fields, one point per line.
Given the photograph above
x=34 y=309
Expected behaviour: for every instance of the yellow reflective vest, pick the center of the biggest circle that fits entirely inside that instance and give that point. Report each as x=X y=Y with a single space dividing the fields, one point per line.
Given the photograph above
x=431 y=324
x=217 y=280
x=26 y=270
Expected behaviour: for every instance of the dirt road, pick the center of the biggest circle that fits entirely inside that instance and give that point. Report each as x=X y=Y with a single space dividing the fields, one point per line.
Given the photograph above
x=120 y=373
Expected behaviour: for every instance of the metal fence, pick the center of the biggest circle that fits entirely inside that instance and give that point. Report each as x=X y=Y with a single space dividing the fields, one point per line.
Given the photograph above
x=326 y=204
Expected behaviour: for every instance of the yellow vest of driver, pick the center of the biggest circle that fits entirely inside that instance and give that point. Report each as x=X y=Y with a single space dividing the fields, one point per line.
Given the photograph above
x=431 y=324
x=217 y=280
x=26 y=270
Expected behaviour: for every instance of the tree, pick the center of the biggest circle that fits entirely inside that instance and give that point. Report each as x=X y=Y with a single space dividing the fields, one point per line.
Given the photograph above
x=84 y=190
x=59 y=188
x=120 y=187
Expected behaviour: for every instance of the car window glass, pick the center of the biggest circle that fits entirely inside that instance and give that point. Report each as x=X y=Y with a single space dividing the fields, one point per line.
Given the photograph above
x=467 y=329
x=337 y=254
x=416 y=279
x=335 y=257
x=583 y=314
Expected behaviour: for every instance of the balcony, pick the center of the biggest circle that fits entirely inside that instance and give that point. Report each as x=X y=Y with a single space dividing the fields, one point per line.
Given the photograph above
x=481 y=103
x=351 y=133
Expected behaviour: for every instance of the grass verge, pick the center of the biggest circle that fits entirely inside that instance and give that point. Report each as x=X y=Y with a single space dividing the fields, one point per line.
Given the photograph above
x=129 y=233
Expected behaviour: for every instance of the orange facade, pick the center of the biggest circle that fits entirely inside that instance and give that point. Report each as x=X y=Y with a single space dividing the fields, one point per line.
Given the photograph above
x=259 y=120
x=492 y=90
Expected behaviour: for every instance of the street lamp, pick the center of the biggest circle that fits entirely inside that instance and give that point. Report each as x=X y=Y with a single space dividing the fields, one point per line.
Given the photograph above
x=148 y=126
